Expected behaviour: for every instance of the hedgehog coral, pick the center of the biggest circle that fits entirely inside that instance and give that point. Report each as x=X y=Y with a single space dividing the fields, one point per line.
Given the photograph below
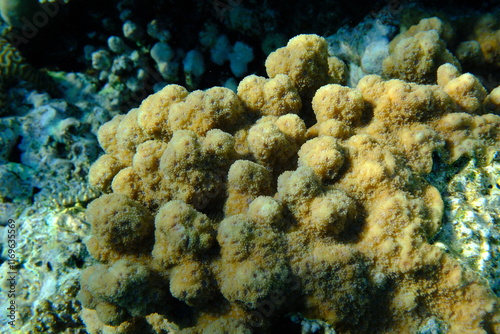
x=257 y=216
x=123 y=289
x=305 y=60
x=269 y=97
x=487 y=34
x=123 y=226
x=416 y=54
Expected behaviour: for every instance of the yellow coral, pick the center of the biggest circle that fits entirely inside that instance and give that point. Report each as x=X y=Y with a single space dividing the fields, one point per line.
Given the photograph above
x=339 y=103
x=189 y=281
x=246 y=181
x=324 y=155
x=195 y=170
x=119 y=226
x=487 y=34
x=154 y=110
x=492 y=101
x=13 y=67
x=252 y=267
x=444 y=30
x=201 y=111
x=269 y=97
x=257 y=215
x=305 y=61
x=416 y=54
x=467 y=92
x=273 y=142
x=180 y=231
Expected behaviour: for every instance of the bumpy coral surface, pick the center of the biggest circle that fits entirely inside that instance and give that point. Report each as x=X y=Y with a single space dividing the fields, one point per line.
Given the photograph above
x=416 y=54
x=487 y=34
x=227 y=213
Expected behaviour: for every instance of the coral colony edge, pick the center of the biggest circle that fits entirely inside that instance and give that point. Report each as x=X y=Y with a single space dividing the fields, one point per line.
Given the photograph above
x=345 y=184
x=201 y=206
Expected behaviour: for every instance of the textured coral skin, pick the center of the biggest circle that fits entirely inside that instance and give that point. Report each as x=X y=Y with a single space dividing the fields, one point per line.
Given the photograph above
x=305 y=60
x=487 y=34
x=416 y=54
x=257 y=216
x=269 y=97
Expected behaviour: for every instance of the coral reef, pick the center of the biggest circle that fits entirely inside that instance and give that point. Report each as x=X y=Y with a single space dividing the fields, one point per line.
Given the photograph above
x=46 y=151
x=233 y=212
x=303 y=60
x=469 y=42
x=486 y=33
x=416 y=54
x=50 y=256
x=13 y=67
x=471 y=228
x=301 y=198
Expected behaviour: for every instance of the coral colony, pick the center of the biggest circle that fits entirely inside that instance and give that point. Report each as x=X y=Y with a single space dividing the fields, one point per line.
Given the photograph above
x=214 y=184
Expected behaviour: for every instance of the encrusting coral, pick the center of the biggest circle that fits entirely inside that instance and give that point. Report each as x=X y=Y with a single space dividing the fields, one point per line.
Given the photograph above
x=226 y=213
